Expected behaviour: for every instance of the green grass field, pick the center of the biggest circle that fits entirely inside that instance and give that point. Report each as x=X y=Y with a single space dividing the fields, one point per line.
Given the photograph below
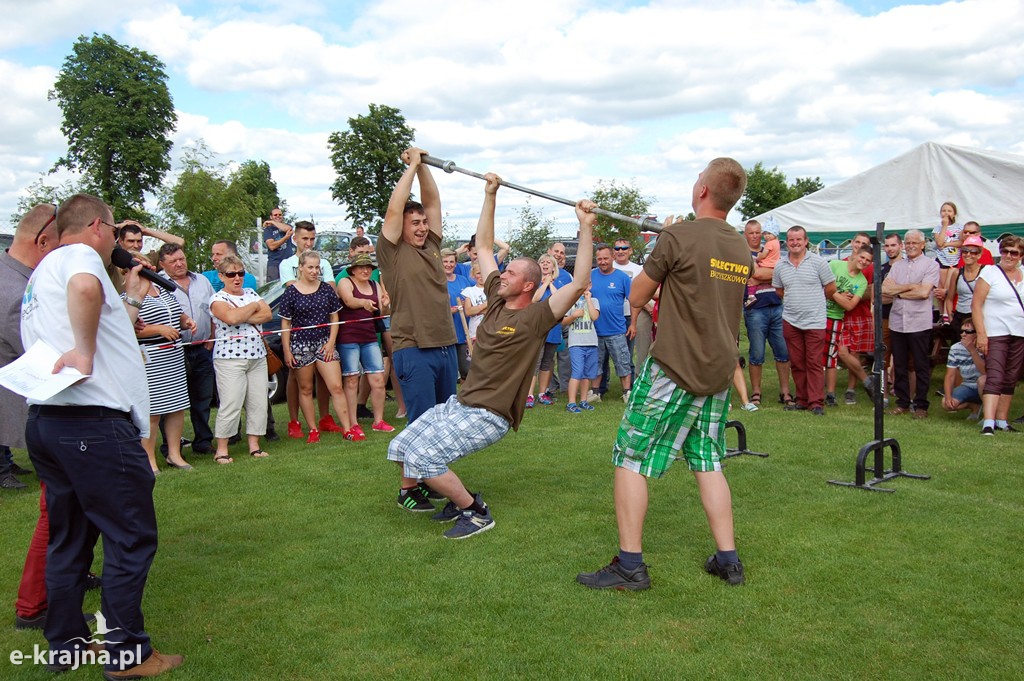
x=301 y=566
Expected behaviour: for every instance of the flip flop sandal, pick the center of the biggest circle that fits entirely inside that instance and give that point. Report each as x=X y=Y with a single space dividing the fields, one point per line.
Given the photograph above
x=756 y=399
x=259 y=454
x=223 y=459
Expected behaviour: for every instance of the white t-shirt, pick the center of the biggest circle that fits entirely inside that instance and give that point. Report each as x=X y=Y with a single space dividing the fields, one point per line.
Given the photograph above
x=475 y=295
x=632 y=269
x=249 y=344
x=118 y=379
x=1003 y=314
x=289 y=269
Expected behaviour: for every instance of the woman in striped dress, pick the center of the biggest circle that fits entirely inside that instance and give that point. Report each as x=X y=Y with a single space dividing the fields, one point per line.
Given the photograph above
x=165 y=371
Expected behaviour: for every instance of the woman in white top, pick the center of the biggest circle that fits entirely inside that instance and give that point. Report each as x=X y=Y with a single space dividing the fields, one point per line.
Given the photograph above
x=998 y=312
x=239 y=359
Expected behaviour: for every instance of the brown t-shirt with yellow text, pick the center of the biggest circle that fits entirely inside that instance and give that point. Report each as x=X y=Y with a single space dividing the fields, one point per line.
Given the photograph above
x=505 y=354
x=414 y=278
x=703 y=267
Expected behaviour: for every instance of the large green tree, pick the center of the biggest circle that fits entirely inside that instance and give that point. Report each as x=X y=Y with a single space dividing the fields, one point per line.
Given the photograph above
x=254 y=178
x=118 y=116
x=366 y=158
x=624 y=199
x=769 y=189
x=204 y=205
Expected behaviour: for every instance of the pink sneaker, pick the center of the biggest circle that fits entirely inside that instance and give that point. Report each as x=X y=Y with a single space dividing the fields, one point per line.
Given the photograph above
x=529 y=401
x=355 y=434
x=383 y=427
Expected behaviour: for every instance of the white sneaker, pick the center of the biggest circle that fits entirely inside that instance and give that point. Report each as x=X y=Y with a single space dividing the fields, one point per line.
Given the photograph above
x=593 y=397
x=749 y=406
x=625 y=397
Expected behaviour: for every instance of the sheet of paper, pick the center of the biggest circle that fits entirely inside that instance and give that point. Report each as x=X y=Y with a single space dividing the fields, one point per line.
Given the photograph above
x=31 y=374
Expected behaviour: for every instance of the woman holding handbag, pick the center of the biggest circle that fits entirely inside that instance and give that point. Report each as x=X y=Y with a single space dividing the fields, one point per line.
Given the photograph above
x=239 y=359
x=998 y=312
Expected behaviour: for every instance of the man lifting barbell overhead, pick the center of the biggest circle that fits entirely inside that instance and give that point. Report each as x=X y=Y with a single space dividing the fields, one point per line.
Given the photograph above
x=493 y=397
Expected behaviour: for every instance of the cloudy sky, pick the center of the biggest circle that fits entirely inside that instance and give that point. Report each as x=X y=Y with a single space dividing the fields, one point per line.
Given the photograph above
x=551 y=94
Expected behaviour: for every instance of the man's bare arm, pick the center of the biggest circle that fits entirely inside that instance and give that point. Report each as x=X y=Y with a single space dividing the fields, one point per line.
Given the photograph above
x=485 y=226
x=394 y=217
x=564 y=298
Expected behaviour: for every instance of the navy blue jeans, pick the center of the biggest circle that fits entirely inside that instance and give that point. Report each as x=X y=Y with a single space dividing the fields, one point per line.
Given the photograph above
x=98 y=482
x=427 y=377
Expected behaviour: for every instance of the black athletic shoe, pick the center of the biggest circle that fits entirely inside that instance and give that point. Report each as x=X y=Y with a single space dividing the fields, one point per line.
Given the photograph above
x=93 y=582
x=1007 y=429
x=9 y=481
x=362 y=412
x=614 y=576
x=731 y=573
x=818 y=411
x=271 y=436
x=447 y=514
x=431 y=494
x=988 y=430
x=794 y=407
x=830 y=400
x=18 y=470
x=25 y=623
x=414 y=500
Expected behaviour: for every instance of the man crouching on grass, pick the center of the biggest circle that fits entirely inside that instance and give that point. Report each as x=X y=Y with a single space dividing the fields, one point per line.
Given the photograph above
x=493 y=396
x=681 y=397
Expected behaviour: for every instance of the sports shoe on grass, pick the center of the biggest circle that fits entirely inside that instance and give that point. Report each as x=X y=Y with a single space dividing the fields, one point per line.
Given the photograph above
x=529 y=401
x=355 y=434
x=1007 y=429
x=988 y=430
x=363 y=412
x=447 y=514
x=314 y=437
x=415 y=500
x=545 y=399
x=573 y=408
x=593 y=397
x=850 y=397
x=429 y=493
x=383 y=427
x=731 y=573
x=328 y=425
x=749 y=406
x=294 y=430
x=614 y=576
x=830 y=400
x=471 y=523
x=586 y=406
x=625 y=397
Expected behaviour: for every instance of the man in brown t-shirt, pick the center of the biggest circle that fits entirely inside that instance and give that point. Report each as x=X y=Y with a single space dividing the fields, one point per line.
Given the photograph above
x=492 y=400
x=409 y=253
x=681 y=397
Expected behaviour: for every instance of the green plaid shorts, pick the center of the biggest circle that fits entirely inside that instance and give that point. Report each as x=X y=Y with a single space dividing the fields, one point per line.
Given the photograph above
x=662 y=419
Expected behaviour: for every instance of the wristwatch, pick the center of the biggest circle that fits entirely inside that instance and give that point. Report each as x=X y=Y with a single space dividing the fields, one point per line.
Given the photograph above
x=134 y=303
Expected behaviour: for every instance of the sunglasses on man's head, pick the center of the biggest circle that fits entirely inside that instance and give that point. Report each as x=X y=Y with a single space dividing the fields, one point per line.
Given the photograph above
x=46 y=224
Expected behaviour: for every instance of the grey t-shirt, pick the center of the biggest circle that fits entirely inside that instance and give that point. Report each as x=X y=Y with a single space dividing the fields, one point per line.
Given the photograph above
x=803 y=304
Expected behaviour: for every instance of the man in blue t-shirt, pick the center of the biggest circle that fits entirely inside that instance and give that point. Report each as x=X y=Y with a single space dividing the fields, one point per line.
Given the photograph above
x=277 y=236
x=611 y=288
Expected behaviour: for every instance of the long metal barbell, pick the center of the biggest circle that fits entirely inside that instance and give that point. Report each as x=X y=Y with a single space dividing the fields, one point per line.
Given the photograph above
x=644 y=223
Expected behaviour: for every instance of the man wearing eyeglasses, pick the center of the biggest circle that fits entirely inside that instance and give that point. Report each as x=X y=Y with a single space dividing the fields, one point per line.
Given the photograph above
x=640 y=327
x=85 y=441
x=277 y=235
x=910 y=285
x=36 y=235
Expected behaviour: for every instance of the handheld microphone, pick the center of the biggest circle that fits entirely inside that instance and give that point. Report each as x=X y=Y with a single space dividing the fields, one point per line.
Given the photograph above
x=123 y=259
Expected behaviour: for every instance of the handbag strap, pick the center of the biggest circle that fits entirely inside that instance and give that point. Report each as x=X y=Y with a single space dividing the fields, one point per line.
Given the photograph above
x=1012 y=286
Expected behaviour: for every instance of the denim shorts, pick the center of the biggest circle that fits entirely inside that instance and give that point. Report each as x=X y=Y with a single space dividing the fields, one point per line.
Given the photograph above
x=764 y=324
x=583 y=359
x=355 y=354
x=617 y=348
x=967 y=393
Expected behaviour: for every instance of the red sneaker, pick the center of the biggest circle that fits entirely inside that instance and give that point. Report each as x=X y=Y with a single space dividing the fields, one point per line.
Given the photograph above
x=383 y=427
x=314 y=437
x=295 y=430
x=329 y=425
x=355 y=434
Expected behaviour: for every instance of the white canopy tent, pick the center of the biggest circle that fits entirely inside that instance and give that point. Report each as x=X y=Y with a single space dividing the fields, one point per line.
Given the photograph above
x=906 y=192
